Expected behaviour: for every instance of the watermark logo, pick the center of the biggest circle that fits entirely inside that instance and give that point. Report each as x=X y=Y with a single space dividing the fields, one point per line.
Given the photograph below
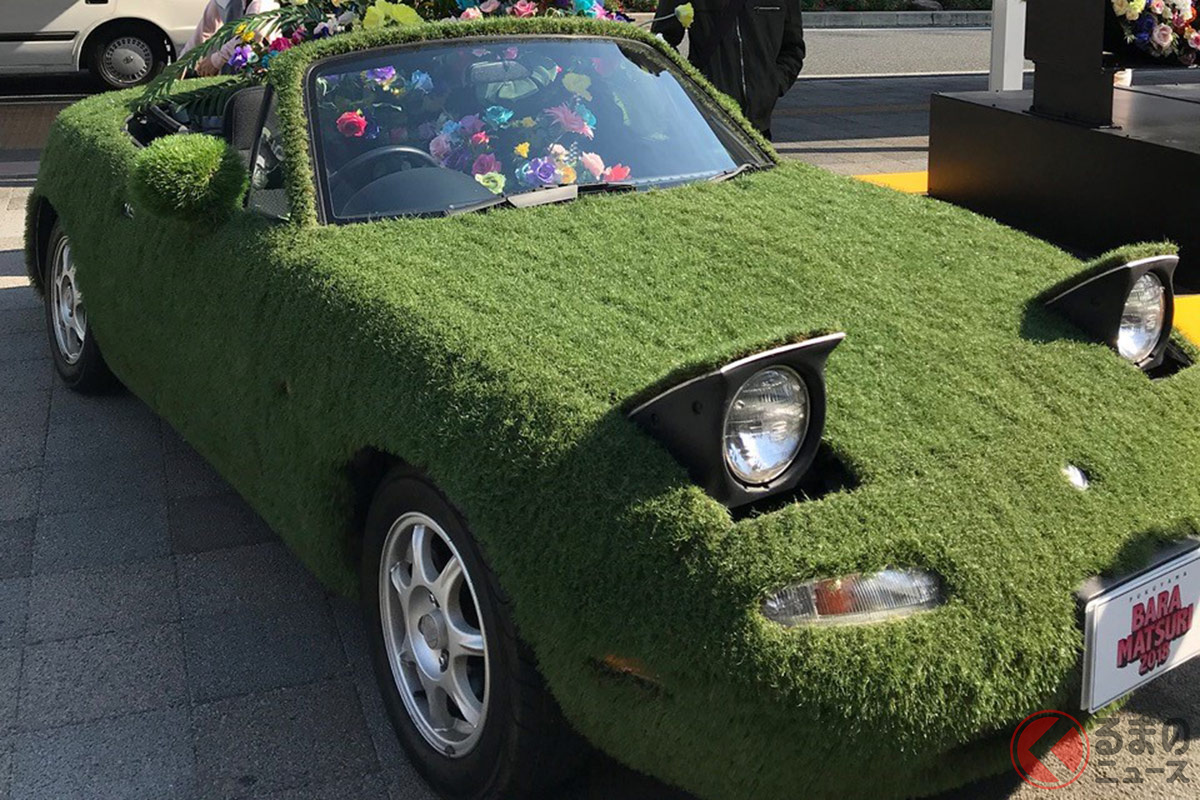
x=1062 y=743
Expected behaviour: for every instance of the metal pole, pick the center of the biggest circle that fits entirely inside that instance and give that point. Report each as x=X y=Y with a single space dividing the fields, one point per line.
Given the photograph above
x=1008 y=45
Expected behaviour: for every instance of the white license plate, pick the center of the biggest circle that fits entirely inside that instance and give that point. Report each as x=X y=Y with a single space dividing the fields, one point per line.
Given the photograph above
x=1140 y=630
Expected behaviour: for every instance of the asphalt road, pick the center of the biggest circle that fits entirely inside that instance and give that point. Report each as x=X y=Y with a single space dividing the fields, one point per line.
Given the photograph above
x=57 y=738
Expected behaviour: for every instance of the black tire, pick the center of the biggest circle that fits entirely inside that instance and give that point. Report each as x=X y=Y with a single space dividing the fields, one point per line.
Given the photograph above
x=526 y=748
x=87 y=373
x=140 y=60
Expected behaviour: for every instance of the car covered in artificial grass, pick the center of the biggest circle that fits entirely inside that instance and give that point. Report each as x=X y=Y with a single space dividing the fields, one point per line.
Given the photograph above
x=785 y=485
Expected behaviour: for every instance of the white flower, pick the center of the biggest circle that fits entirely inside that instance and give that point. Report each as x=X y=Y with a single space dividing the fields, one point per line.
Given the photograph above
x=1163 y=37
x=1121 y=7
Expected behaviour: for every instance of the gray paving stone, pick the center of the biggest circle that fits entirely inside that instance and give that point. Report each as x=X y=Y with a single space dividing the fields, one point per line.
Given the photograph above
x=97 y=676
x=18 y=494
x=129 y=438
x=24 y=346
x=88 y=601
x=134 y=757
x=188 y=474
x=211 y=523
x=119 y=481
x=365 y=787
x=24 y=438
x=257 y=576
x=17 y=297
x=14 y=606
x=10 y=682
x=94 y=538
x=280 y=740
x=16 y=548
x=5 y=769
x=26 y=373
x=72 y=408
x=255 y=650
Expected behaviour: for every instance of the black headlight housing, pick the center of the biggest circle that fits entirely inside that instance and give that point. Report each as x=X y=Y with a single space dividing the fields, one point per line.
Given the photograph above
x=1096 y=303
x=689 y=419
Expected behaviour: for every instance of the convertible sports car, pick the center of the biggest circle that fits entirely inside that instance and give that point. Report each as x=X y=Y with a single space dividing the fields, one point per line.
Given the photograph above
x=767 y=482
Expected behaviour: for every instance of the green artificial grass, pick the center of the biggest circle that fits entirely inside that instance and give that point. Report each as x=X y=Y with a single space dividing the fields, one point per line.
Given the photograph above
x=189 y=177
x=498 y=352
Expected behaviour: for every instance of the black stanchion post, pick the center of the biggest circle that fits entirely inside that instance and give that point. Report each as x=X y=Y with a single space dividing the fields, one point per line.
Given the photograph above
x=1074 y=76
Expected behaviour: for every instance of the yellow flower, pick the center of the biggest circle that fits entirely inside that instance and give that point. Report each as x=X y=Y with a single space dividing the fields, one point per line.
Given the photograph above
x=522 y=149
x=685 y=14
x=566 y=174
x=492 y=181
x=528 y=122
x=578 y=84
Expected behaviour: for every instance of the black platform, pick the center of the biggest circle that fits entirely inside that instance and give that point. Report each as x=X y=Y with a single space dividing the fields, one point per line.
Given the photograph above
x=1088 y=189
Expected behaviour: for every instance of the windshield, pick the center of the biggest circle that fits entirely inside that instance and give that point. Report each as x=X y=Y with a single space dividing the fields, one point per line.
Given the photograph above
x=440 y=128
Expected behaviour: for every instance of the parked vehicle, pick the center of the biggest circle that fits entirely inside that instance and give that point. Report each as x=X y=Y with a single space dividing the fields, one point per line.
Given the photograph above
x=770 y=483
x=124 y=42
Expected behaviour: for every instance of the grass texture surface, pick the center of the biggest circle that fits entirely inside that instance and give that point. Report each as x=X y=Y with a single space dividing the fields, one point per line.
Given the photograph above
x=497 y=351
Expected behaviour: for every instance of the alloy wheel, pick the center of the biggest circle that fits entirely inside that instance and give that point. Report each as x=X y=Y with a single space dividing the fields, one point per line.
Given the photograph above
x=434 y=634
x=66 y=306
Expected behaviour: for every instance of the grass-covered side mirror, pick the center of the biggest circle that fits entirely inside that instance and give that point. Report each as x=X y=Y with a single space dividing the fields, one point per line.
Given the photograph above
x=189 y=177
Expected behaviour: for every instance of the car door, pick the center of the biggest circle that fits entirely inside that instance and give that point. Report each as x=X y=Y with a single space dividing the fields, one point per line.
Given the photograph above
x=42 y=34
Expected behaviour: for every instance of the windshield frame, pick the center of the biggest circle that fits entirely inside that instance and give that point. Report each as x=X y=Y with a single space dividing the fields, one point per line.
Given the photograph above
x=703 y=99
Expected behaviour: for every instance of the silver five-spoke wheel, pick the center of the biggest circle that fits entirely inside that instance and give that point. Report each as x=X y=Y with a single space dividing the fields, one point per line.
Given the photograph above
x=434 y=635
x=66 y=306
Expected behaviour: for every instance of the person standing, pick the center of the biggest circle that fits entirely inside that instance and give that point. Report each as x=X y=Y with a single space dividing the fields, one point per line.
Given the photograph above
x=216 y=14
x=752 y=50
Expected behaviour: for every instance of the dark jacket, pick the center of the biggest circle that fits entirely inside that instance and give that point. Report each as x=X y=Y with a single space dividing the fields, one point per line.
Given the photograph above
x=758 y=58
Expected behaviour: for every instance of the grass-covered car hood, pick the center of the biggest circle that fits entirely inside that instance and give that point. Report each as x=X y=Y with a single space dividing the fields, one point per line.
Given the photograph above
x=499 y=352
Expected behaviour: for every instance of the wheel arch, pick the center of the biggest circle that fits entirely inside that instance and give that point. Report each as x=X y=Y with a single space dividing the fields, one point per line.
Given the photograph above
x=365 y=471
x=40 y=217
x=88 y=40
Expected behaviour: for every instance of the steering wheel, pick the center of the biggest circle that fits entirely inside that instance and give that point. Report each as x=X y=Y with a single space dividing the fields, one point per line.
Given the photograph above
x=379 y=152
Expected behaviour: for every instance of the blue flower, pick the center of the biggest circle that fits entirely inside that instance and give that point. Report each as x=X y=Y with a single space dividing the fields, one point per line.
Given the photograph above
x=372 y=131
x=421 y=81
x=587 y=115
x=382 y=75
x=450 y=129
x=465 y=4
x=585 y=7
x=497 y=115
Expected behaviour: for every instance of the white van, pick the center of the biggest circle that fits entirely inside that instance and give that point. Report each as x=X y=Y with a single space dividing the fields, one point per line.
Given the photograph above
x=124 y=42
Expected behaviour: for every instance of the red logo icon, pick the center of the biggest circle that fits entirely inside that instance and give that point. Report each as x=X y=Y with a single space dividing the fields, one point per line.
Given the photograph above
x=1062 y=743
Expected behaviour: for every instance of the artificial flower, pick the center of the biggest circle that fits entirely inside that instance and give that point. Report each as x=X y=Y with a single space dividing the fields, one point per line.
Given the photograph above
x=593 y=164
x=589 y=118
x=1163 y=36
x=543 y=170
x=489 y=6
x=617 y=172
x=557 y=152
x=472 y=13
x=484 y=164
x=568 y=120
x=240 y=57
x=463 y=5
x=566 y=174
x=421 y=81
x=523 y=8
x=522 y=149
x=439 y=147
x=352 y=124
x=685 y=14
x=1158 y=6
x=470 y=124
x=480 y=138
x=450 y=129
x=492 y=181
x=584 y=7
x=1194 y=40
x=382 y=75
x=528 y=122
x=497 y=115
x=373 y=130
x=578 y=84
x=1136 y=7
x=510 y=53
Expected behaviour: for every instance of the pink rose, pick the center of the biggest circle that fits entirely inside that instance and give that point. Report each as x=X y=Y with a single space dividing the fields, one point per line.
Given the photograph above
x=488 y=6
x=281 y=44
x=593 y=164
x=1163 y=36
x=1194 y=40
x=439 y=147
x=480 y=139
x=524 y=8
x=510 y=53
x=1158 y=6
x=352 y=124
x=472 y=13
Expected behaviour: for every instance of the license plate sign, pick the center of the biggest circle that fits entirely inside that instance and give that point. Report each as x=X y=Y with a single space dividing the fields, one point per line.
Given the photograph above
x=1140 y=630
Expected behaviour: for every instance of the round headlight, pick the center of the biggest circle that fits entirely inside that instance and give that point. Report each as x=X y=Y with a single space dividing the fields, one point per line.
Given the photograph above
x=1142 y=319
x=765 y=425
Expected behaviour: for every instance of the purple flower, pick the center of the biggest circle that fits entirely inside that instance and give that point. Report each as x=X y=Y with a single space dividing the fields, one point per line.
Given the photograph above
x=382 y=75
x=470 y=125
x=421 y=82
x=241 y=57
x=543 y=170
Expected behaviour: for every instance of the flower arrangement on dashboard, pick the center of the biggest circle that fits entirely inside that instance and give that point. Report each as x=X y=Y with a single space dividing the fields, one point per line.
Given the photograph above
x=1161 y=28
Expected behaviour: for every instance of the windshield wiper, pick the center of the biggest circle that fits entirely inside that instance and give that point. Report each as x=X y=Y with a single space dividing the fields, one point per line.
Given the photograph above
x=607 y=186
x=740 y=169
x=538 y=197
